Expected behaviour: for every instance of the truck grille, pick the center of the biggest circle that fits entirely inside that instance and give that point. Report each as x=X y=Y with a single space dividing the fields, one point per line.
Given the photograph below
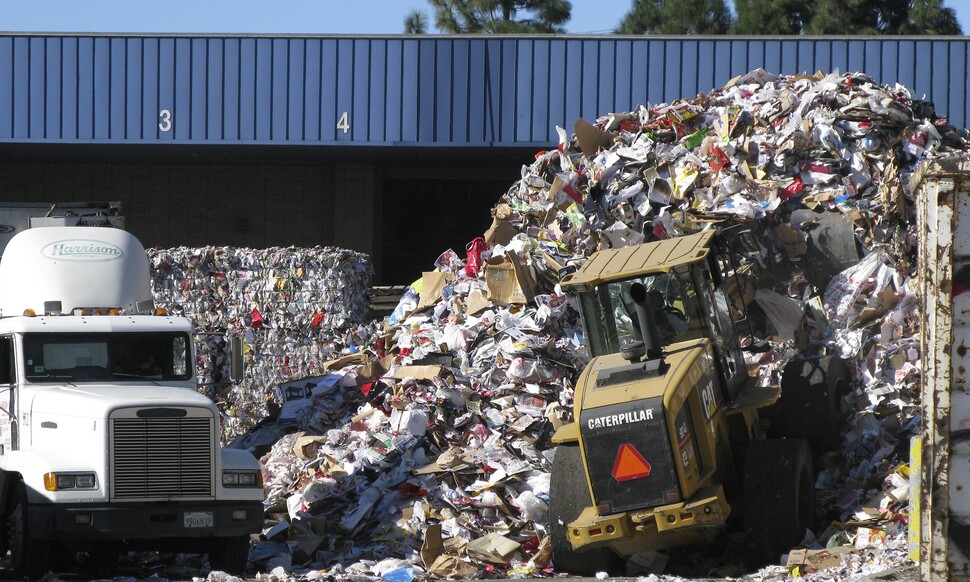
x=161 y=458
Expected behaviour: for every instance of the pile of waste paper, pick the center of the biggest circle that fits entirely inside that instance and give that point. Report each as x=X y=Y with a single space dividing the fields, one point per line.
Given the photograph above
x=422 y=448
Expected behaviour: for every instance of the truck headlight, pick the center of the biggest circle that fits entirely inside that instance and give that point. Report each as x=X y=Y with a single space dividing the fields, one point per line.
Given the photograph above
x=242 y=478
x=59 y=481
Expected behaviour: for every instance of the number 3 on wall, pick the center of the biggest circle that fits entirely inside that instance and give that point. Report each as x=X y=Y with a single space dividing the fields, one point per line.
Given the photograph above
x=344 y=122
x=165 y=120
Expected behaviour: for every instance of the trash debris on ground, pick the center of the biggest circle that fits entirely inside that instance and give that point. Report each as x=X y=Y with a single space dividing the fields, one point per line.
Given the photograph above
x=421 y=447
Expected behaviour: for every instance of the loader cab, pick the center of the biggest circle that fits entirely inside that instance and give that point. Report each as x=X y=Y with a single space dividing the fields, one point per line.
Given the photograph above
x=687 y=280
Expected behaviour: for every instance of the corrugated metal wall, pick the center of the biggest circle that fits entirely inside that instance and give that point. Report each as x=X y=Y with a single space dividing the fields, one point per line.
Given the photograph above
x=476 y=91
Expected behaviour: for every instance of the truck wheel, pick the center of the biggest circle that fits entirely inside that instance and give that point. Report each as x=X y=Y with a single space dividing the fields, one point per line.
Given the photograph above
x=778 y=497
x=30 y=557
x=103 y=562
x=229 y=554
x=810 y=407
x=568 y=497
x=5 y=504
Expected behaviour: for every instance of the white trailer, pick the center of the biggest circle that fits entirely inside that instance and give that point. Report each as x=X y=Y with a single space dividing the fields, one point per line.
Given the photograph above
x=105 y=444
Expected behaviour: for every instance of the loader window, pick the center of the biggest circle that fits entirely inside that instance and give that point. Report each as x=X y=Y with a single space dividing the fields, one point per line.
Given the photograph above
x=599 y=321
x=724 y=335
x=610 y=317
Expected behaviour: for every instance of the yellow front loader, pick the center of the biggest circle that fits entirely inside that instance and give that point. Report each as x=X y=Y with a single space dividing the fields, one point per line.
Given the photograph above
x=667 y=442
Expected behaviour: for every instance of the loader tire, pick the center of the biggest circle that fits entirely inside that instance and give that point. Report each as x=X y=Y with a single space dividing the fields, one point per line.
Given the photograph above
x=568 y=497
x=833 y=249
x=30 y=557
x=810 y=404
x=778 y=498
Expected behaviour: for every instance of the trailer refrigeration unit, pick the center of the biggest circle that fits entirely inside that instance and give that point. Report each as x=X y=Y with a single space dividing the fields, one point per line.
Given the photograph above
x=16 y=217
x=105 y=444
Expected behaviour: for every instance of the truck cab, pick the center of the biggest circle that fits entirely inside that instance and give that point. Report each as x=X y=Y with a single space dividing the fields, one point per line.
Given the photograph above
x=105 y=443
x=661 y=411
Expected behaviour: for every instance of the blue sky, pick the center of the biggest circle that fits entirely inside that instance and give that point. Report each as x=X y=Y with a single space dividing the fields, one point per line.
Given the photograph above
x=272 y=16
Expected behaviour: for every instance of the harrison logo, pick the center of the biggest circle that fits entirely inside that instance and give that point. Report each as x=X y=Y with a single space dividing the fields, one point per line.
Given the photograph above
x=82 y=250
x=161 y=413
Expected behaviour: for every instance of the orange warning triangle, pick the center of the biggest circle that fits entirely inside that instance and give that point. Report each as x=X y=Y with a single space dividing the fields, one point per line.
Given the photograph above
x=630 y=464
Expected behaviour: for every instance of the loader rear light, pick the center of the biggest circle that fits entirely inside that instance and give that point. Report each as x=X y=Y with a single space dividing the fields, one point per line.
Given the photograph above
x=595 y=531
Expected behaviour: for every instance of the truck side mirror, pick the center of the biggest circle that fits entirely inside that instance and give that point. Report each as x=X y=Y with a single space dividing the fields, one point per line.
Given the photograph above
x=236 y=366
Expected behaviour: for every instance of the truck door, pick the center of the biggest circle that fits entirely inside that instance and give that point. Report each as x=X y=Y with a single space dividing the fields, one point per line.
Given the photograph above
x=7 y=396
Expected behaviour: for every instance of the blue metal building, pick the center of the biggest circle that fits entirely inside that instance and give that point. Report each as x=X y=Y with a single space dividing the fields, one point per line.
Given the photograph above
x=265 y=141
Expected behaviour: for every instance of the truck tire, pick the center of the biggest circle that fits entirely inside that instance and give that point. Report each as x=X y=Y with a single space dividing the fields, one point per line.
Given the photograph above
x=29 y=557
x=229 y=554
x=778 y=498
x=568 y=497
x=6 y=502
x=103 y=561
x=810 y=404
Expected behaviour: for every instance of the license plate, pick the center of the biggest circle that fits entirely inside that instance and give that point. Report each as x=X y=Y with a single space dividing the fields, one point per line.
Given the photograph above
x=198 y=519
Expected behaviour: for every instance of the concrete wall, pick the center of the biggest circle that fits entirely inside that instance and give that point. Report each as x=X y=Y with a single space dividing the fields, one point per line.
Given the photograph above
x=402 y=215
x=197 y=204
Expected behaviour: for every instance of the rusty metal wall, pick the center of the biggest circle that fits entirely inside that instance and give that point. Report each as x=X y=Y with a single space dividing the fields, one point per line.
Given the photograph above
x=943 y=200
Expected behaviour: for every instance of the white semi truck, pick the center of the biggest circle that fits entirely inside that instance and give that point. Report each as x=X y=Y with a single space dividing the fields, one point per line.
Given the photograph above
x=105 y=444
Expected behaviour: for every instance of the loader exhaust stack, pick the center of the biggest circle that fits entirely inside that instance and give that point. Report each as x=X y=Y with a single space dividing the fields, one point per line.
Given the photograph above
x=648 y=327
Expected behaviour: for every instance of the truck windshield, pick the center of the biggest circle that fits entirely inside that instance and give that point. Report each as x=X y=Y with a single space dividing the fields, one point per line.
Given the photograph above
x=102 y=357
x=610 y=317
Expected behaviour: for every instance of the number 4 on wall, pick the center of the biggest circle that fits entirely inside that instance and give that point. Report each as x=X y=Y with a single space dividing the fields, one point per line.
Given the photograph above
x=344 y=122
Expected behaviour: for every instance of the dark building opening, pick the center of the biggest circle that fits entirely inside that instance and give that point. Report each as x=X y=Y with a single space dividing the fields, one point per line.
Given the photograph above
x=423 y=218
